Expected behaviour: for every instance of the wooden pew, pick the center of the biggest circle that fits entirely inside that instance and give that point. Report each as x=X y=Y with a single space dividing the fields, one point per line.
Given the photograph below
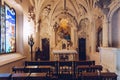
x=52 y=64
x=40 y=63
x=108 y=76
x=78 y=64
x=29 y=76
x=20 y=76
x=20 y=69
x=31 y=69
x=5 y=76
x=66 y=70
x=89 y=76
x=87 y=62
x=97 y=76
x=87 y=68
x=65 y=66
x=95 y=68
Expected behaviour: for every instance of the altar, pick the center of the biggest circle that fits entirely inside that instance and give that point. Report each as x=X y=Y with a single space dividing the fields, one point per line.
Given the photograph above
x=65 y=55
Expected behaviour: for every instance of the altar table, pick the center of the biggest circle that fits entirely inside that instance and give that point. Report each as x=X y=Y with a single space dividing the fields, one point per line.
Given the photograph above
x=66 y=55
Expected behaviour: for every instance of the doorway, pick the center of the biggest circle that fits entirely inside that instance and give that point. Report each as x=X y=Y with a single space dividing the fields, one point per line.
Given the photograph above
x=45 y=49
x=82 y=49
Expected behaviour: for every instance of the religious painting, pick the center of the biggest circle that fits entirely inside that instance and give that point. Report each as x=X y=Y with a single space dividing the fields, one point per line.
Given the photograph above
x=63 y=34
x=64 y=30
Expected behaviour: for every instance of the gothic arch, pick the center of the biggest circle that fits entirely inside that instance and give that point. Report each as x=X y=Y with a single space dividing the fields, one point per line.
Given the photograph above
x=115 y=8
x=110 y=16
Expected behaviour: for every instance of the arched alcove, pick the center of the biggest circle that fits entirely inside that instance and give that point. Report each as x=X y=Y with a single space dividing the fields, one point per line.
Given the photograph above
x=115 y=28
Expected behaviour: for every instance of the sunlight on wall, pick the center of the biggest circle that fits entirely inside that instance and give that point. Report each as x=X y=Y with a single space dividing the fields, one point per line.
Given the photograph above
x=28 y=29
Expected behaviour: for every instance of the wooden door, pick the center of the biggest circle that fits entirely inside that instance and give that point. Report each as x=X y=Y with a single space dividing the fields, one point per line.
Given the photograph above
x=82 y=49
x=45 y=49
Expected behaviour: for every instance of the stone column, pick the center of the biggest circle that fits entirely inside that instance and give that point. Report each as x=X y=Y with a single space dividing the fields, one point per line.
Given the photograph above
x=105 y=32
x=37 y=39
x=53 y=38
x=37 y=42
x=93 y=37
x=72 y=37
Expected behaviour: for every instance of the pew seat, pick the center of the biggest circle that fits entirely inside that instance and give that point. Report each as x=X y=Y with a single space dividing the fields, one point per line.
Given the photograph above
x=108 y=76
x=29 y=76
x=5 y=76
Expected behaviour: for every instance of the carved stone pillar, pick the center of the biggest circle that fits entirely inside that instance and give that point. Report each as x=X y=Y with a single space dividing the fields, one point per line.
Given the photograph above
x=37 y=42
x=93 y=37
x=105 y=32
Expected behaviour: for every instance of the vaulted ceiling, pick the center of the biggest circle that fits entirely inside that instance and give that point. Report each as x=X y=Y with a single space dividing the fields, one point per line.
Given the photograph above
x=57 y=9
x=73 y=10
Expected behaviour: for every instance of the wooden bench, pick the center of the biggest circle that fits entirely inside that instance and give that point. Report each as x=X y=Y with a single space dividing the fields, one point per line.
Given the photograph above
x=108 y=76
x=29 y=76
x=40 y=63
x=53 y=65
x=65 y=66
x=97 y=76
x=31 y=69
x=87 y=68
x=5 y=76
x=20 y=76
x=86 y=62
x=19 y=69
x=90 y=76
x=95 y=68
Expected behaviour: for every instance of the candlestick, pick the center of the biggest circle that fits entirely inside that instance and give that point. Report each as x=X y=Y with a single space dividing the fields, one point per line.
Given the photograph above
x=31 y=43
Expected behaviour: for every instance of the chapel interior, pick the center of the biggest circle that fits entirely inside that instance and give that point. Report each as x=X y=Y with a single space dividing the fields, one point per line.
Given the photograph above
x=59 y=39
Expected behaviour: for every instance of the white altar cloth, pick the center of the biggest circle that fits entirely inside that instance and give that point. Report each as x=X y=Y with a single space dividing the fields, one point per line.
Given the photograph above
x=70 y=53
x=64 y=51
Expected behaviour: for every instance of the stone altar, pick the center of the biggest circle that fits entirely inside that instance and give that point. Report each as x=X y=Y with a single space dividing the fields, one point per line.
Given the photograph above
x=66 y=55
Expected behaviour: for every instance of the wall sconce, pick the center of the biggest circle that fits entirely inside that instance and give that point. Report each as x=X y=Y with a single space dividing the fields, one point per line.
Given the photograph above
x=31 y=14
